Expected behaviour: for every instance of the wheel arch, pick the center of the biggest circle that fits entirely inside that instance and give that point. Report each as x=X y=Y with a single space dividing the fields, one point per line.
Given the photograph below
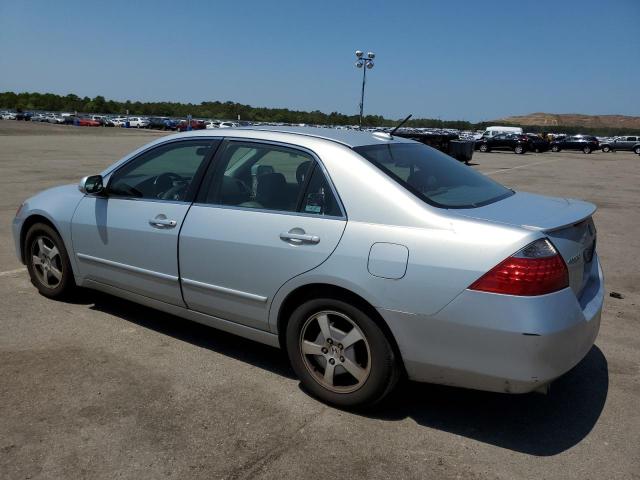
x=27 y=224
x=316 y=290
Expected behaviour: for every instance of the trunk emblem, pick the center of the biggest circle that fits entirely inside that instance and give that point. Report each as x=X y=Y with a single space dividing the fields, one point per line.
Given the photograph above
x=573 y=260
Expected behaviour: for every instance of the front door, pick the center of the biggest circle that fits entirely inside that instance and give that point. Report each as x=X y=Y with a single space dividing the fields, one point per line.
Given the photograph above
x=265 y=215
x=128 y=237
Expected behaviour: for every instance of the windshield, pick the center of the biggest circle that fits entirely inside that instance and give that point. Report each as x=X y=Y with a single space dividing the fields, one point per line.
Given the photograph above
x=433 y=176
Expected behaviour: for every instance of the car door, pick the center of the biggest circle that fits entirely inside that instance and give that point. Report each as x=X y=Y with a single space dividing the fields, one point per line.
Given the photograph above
x=265 y=214
x=128 y=237
x=629 y=142
x=498 y=142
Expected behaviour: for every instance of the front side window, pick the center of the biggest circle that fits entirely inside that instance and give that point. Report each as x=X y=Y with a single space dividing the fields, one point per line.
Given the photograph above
x=165 y=172
x=270 y=177
x=433 y=176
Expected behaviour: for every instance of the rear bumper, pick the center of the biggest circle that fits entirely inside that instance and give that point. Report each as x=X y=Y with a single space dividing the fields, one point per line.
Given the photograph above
x=501 y=343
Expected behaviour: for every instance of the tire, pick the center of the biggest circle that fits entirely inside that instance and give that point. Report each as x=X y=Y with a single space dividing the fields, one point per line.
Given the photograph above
x=377 y=367
x=555 y=148
x=606 y=149
x=519 y=149
x=45 y=254
x=637 y=150
x=484 y=148
x=586 y=149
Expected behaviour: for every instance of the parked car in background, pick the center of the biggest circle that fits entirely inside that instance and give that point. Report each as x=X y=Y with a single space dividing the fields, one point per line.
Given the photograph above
x=25 y=116
x=537 y=144
x=583 y=143
x=195 y=125
x=211 y=124
x=227 y=125
x=119 y=121
x=87 y=122
x=57 y=119
x=504 y=141
x=138 y=122
x=161 y=123
x=458 y=280
x=8 y=116
x=496 y=130
x=631 y=144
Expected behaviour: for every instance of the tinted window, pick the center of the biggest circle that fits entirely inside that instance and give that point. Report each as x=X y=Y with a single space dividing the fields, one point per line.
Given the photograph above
x=433 y=176
x=164 y=172
x=318 y=198
x=260 y=176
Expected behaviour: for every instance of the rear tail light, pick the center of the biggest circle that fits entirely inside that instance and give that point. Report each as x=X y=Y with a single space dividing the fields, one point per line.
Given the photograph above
x=537 y=269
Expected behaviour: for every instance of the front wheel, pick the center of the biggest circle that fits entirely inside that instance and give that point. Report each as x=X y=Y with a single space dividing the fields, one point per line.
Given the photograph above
x=555 y=148
x=48 y=262
x=606 y=148
x=637 y=150
x=586 y=150
x=519 y=149
x=484 y=148
x=340 y=354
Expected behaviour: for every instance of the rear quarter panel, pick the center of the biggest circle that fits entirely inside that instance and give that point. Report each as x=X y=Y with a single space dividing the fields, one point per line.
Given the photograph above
x=442 y=263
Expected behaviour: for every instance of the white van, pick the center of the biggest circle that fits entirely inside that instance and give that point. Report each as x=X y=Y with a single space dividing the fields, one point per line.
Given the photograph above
x=495 y=130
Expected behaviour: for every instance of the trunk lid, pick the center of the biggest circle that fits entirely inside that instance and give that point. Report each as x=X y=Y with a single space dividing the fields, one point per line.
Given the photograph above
x=568 y=223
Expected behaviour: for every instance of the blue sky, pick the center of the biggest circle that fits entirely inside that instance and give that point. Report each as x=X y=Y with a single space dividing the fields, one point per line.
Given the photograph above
x=473 y=60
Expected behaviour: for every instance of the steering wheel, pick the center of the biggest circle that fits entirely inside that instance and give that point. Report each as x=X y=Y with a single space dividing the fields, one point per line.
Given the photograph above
x=165 y=182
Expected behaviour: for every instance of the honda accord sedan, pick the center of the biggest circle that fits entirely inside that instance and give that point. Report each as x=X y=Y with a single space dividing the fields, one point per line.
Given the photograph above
x=366 y=257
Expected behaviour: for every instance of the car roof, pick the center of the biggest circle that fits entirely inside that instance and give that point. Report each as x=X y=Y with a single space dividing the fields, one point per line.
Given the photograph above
x=350 y=138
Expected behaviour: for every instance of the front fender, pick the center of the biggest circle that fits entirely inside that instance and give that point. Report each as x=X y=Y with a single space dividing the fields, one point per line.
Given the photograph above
x=57 y=205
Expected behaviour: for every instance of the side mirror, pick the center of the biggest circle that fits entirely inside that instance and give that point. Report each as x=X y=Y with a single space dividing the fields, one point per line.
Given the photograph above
x=91 y=184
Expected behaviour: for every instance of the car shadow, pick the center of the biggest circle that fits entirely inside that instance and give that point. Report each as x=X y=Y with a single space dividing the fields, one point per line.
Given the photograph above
x=541 y=425
x=248 y=351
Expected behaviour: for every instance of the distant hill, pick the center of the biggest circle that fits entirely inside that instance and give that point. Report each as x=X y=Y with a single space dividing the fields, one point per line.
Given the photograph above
x=573 y=119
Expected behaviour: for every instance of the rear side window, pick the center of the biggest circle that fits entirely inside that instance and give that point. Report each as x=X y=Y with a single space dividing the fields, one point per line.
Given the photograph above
x=433 y=176
x=271 y=177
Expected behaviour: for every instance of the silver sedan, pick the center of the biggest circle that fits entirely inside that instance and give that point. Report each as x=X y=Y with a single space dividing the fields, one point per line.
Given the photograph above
x=366 y=257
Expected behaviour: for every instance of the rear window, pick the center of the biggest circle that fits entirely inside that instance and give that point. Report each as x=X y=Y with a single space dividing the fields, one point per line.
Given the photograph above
x=433 y=176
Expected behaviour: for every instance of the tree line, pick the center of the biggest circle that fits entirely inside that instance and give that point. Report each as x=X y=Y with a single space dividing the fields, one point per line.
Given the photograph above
x=28 y=101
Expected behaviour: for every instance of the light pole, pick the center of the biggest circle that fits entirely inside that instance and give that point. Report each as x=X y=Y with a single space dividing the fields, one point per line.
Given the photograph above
x=365 y=64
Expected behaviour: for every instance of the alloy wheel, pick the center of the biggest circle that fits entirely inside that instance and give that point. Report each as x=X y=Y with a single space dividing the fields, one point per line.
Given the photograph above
x=46 y=262
x=335 y=351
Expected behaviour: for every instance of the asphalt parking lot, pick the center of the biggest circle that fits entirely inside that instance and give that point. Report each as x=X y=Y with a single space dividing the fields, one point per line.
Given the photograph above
x=102 y=388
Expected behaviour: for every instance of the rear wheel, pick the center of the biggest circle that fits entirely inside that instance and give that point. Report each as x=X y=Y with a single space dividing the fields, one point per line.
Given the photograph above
x=586 y=149
x=48 y=262
x=519 y=149
x=637 y=150
x=484 y=148
x=340 y=354
x=606 y=148
x=555 y=148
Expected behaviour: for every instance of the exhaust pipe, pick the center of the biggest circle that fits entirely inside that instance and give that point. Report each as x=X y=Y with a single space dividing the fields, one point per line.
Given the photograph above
x=543 y=389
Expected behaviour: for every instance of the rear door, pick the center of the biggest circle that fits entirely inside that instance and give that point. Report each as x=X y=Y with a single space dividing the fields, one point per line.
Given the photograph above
x=265 y=214
x=630 y=142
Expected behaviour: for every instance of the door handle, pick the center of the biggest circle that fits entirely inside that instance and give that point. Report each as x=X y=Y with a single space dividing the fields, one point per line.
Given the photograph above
x=295 y=237
x=160 y=222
